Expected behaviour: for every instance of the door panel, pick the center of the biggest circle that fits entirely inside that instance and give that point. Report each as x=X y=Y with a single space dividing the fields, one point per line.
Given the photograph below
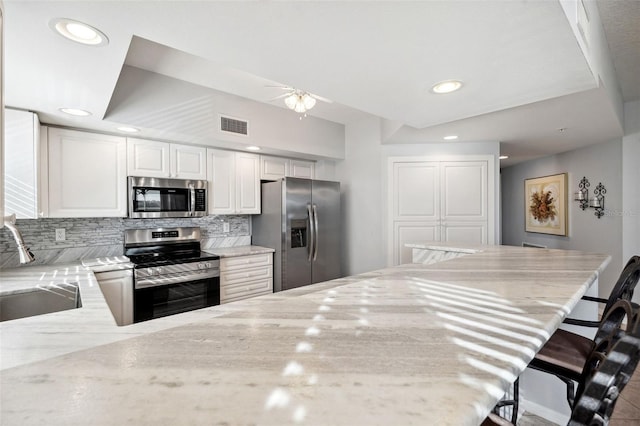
x=412 y=232
x=326 y=199
x=465 y=233
x=416 y=191
x=464 y=189
x=296 y=266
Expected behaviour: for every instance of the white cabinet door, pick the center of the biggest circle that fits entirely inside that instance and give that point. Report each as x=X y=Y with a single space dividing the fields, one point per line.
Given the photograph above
x=165 y=160
x=247 y=183
x=21 y=172
x=221 y=174
x=87 y=174
x=148 y=158
x=415 y=188
x=301 y=169
x=188 y=162
x=273 y=168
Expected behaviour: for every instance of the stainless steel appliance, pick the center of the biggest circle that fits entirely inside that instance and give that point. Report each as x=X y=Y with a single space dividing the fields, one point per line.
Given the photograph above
x=170 y=274
x=301 y=220
x=157 y=197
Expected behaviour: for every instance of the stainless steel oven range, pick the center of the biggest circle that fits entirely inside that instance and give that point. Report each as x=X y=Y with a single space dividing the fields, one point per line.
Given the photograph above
x=171 y=275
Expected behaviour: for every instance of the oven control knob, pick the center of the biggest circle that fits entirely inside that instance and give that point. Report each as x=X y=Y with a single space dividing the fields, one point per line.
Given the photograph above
x=202 y=266
x=208 y=265
x=157 y=271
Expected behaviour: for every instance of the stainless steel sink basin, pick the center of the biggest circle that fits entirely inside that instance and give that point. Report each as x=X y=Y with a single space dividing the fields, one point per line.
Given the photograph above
x=39 y=300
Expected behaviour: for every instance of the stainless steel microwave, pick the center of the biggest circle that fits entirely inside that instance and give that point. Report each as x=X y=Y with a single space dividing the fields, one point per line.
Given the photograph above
x=157 y=197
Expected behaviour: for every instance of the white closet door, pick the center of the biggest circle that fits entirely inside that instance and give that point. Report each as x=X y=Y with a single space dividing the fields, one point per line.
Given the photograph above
x=464 y=191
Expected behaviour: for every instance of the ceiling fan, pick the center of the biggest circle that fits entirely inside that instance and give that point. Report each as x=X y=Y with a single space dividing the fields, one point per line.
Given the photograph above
x=298 y=100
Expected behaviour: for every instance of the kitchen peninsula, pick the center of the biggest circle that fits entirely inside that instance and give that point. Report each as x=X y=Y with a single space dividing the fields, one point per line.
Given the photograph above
x=413 y=344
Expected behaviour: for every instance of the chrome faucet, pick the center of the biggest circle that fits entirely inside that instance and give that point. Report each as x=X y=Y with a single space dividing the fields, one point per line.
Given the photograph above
x=25 y=255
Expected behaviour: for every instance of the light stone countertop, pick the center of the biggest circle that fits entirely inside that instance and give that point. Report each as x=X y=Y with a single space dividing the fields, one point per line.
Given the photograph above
x=238 y=251
x=442 y=246
x=413 y=344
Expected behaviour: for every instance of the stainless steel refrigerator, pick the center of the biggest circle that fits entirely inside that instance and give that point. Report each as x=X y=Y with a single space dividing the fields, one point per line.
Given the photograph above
x=300 y=219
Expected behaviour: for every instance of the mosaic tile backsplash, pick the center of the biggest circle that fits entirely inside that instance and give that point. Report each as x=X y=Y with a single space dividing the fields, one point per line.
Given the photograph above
x=99 y=237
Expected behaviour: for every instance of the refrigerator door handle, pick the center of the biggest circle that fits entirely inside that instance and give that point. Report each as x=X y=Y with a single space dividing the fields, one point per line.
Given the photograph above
x=312 y=232
x=315 y=231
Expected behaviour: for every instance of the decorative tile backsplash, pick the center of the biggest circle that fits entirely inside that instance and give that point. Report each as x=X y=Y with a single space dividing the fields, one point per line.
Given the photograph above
x=98 y=237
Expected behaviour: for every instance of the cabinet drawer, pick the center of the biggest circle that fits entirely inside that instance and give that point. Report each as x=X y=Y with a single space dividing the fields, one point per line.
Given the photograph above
x=245 y=274
x=242 y=262
x=230 y=293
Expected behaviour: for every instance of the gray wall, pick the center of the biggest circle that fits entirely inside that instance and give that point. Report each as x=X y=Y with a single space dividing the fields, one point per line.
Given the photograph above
x=599 y=163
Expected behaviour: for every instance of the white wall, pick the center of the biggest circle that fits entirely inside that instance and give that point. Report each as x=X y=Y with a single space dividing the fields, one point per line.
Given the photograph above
x=631 y=183
x=362 y=185
x=599 y=163
x=363 y=174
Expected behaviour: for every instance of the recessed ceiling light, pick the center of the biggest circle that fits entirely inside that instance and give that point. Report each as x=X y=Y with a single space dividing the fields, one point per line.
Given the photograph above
x=78 y=32
x=450 y=137
x=503 y=157
x=127 y=129
x=446 y=86
x=253 y=148
x=75 y=111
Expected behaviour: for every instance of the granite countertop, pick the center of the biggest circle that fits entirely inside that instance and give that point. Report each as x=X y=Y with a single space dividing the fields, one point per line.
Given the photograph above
x=412 y=344
x=238 y=251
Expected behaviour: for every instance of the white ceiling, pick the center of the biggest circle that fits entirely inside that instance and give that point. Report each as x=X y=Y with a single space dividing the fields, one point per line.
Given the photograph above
x=525 y=76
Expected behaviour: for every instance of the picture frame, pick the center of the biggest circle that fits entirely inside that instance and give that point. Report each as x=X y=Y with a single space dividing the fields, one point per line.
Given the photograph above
x=545 y=205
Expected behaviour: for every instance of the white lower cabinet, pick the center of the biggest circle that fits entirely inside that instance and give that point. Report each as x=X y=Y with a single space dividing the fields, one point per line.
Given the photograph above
x=117 y=288
x=242 y=277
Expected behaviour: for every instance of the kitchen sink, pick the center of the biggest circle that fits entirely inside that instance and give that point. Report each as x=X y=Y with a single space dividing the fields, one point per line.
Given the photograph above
x=39 y=300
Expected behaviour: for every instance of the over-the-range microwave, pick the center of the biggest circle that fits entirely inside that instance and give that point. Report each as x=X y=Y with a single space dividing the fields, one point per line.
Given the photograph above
x=157 y=197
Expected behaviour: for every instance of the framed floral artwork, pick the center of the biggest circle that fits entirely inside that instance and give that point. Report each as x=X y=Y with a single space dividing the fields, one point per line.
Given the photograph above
x=545 y=205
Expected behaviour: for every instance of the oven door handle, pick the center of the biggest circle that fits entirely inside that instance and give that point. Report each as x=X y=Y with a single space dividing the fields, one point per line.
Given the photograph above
x=162 y=280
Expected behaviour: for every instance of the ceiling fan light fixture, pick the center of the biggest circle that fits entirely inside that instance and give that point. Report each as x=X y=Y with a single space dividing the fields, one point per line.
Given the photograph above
x=291 y=101
x=78 y=31
x=446 y=86
x=299 y=101
x=308 y=101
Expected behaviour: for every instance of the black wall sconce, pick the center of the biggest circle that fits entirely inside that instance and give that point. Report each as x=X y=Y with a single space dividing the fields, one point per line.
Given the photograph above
x=582 y=194
x=597 y=201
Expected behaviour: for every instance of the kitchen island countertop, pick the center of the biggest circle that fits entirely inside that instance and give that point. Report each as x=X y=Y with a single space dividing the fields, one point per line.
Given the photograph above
x=412 y=344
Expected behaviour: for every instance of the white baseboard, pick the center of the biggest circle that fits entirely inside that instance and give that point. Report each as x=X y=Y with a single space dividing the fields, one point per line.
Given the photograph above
x=544 y=412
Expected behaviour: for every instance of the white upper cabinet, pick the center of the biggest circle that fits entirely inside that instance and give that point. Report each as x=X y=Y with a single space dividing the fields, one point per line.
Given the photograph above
x=274 y=168
x=21 y=164
x=165 y=160
x=87 y=174
x=301 y=169
x=188 y=162
x=234 y=182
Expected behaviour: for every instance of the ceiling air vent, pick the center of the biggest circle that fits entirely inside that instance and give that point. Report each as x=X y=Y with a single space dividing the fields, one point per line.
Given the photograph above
x=232 y=125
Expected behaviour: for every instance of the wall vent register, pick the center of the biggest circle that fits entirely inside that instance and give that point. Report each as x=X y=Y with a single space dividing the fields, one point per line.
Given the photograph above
x=233 y=125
